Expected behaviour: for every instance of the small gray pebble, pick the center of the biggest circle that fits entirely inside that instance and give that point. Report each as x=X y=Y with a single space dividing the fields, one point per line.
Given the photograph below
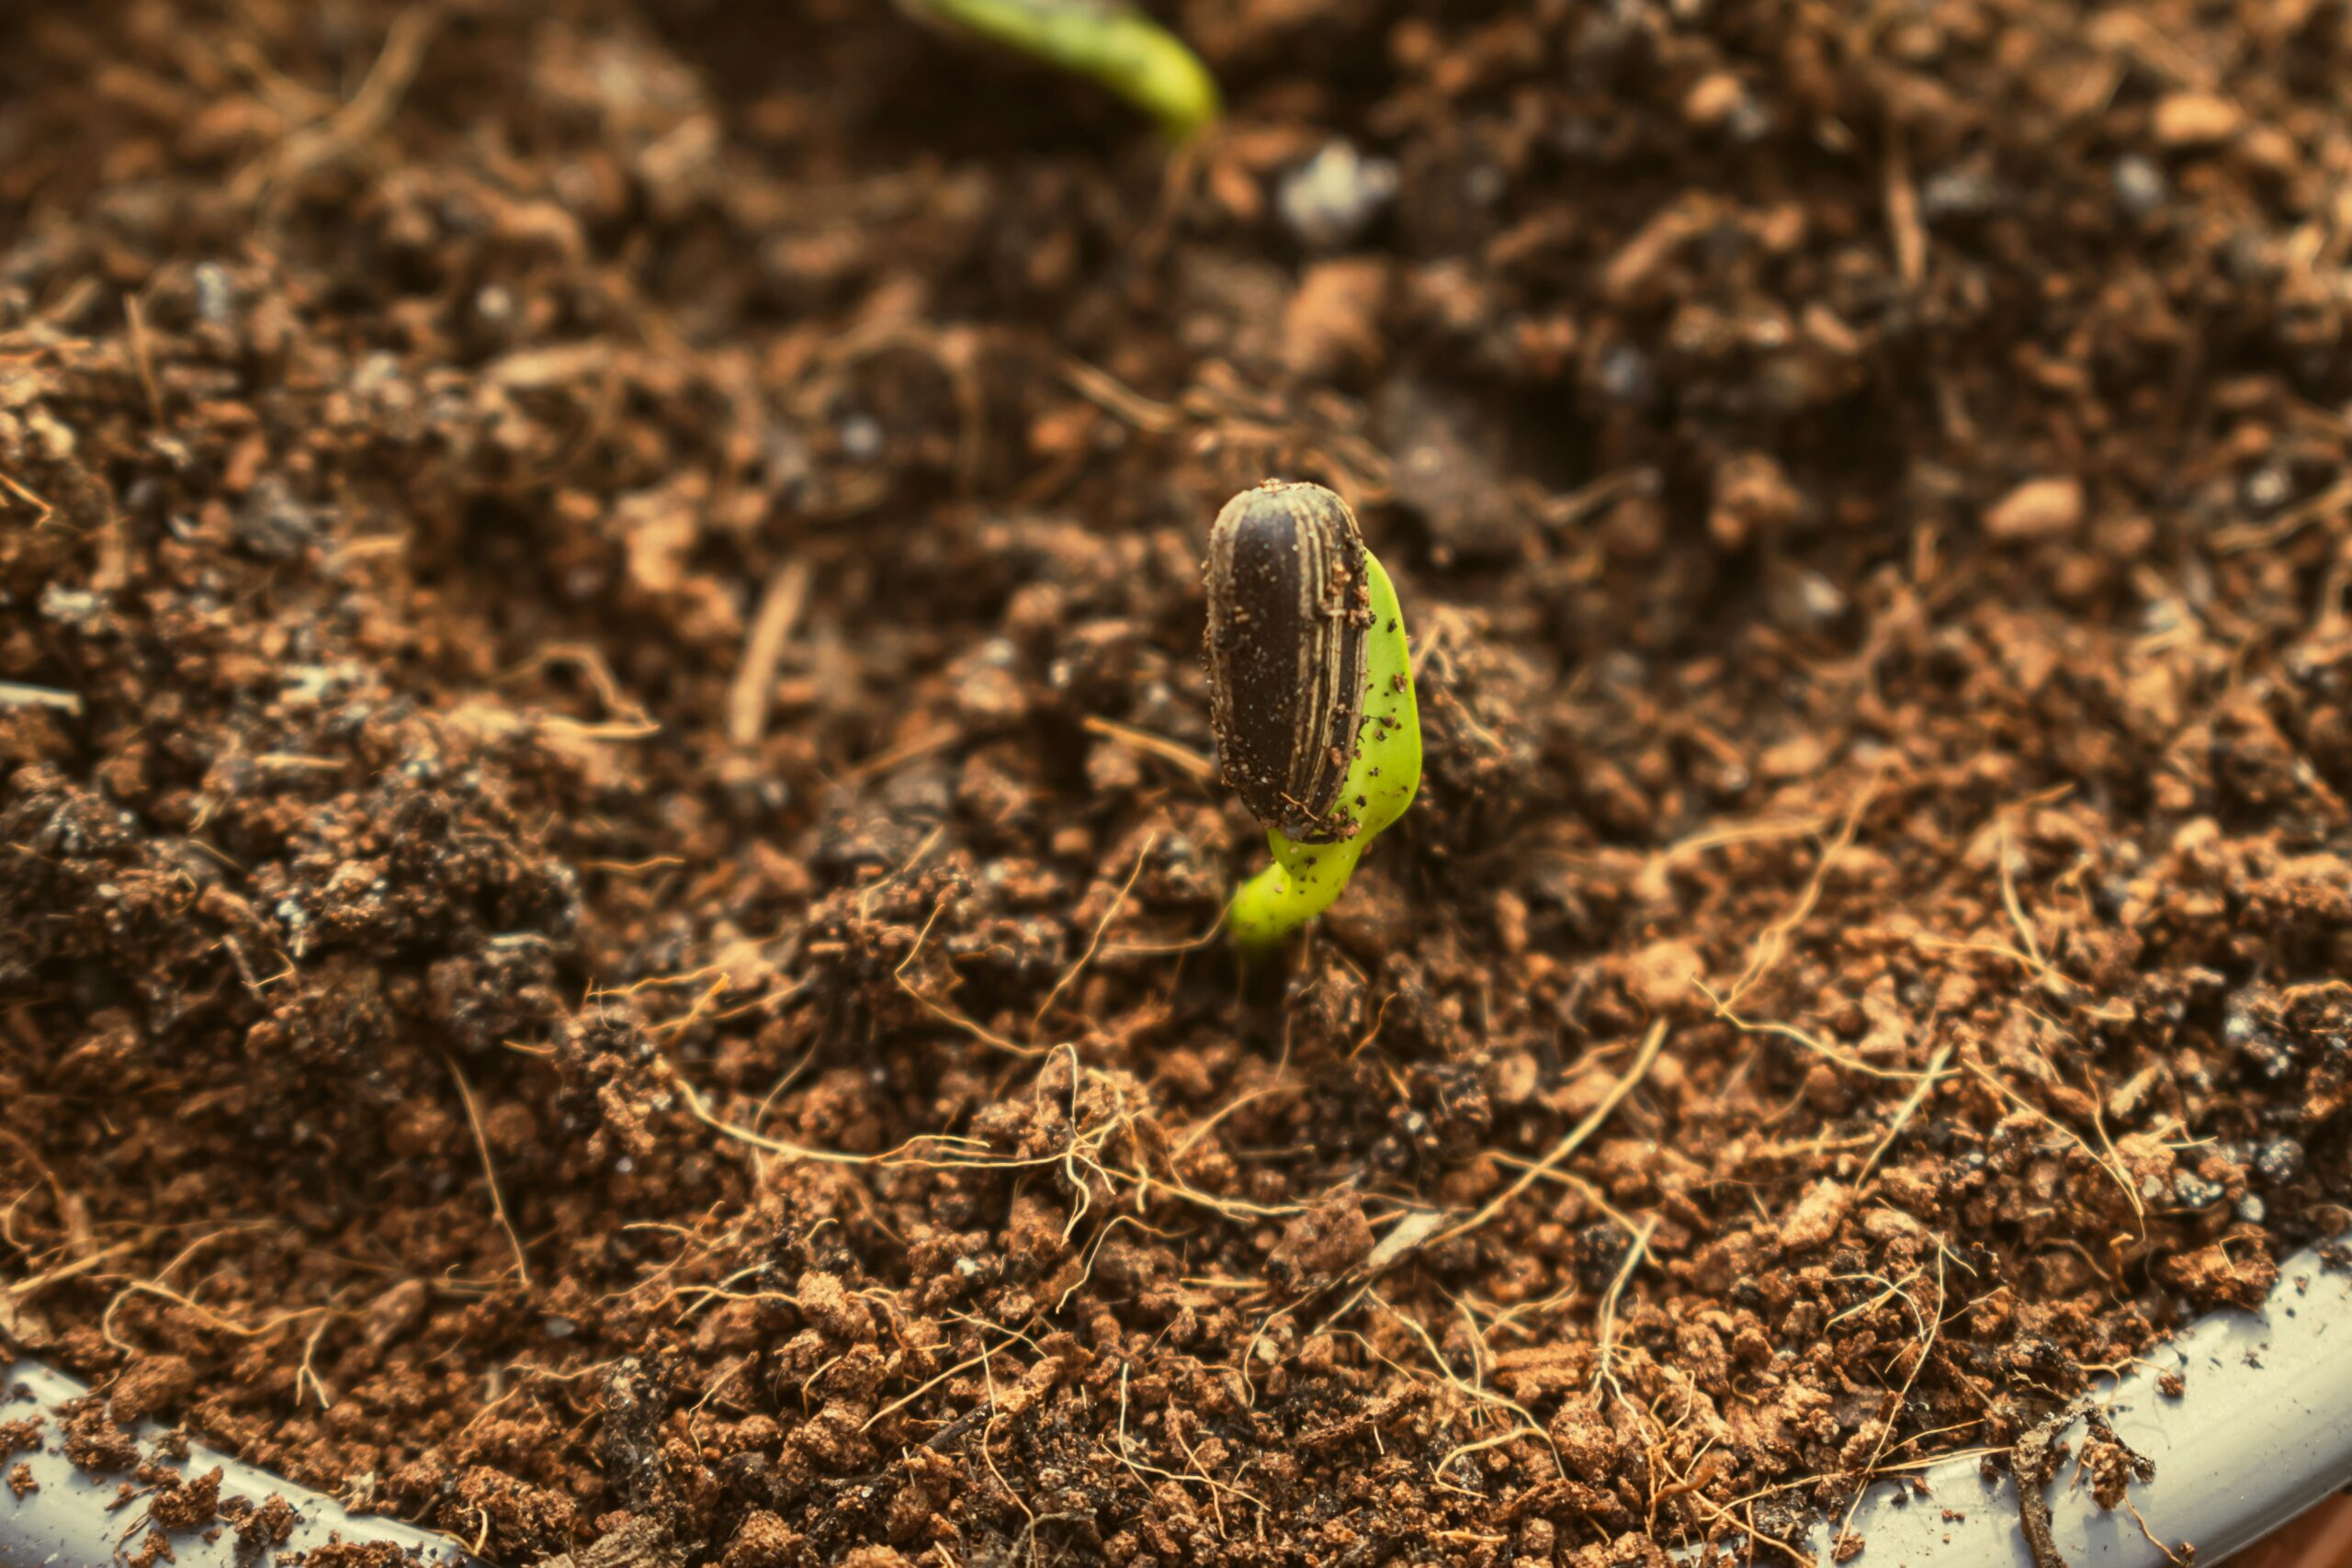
x=216 y=294
x=2192 y=1190
x=2140 y=186
x=861 y=438
x=1334 y=196
x=2281 y=1160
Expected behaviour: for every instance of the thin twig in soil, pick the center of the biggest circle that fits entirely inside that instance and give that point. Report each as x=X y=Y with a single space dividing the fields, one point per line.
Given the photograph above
x=934 y=739
x=526 y=1373
x=2056 y=979
x=2114 y=1167
x=2009 y=900
x=897 y=1404
x=45 y=510
x=1929 y=1327
x=205 y=1314
x=1718 y=1515
x=669 y=1027
x=948 y=1014
x=654 y=981
x=1126 y=1456
x=1608 y=1331
x=87 y=1263
x=1805 y=1483
x=1200 y=1472
x=1772 y=942
x=1084 y=1148
x=8 y=1228
x=626 y=717
x=353 y=124
x=1094 y=1251
x=988 y=1433
x=921 y=850
x=1909 y=235
x=1480 y=1445
x=15 y=694
x=1908 y=1108
x=1568 y=1179
x=2155 y=1541
x=1506 y=1319
x=184 y=1253
x=1814 y=1043
x=307 y=1371
x=1889 y=1291
x=1760 y=831
x=727 y=1374
x=1095 y=942
x=142 y=357
x=781 y=604
x=489 y=1171
x=1476 y=1393
x=699 y=1108
x=1567 y=1146
x=1566 y=511
x=704 y=1294
x=1213 y=933
x=2335 y=498
x=1209 y=1123
x=1114 y=396
x=1071 y=1174
x=1159 y=746
x=785 y=1080
x=2114 y=1155
x=633 y=867
x=71 y=1214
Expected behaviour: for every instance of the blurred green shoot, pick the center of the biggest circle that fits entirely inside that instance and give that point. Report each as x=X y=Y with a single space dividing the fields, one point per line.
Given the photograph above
x=1114 y=43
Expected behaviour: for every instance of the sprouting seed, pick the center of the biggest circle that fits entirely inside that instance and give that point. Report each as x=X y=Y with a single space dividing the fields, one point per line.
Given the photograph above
x=1111 y=41
x=1311 y=694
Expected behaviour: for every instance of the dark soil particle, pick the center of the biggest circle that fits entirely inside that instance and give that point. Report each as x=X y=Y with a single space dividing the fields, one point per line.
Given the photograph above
x=608 y=867
x=191 y=1503
x=270 y=1525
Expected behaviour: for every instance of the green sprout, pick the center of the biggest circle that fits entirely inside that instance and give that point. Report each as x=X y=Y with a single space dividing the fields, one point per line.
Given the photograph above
x=1311 y=693
x=1106 y=40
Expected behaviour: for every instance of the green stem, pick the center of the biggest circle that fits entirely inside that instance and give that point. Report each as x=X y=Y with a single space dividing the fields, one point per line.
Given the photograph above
x=1381 y=781
x=1113 y=43
x=1298 y=886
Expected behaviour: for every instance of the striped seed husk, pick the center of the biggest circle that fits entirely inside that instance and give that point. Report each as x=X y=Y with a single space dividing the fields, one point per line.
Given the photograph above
x=1289 y=610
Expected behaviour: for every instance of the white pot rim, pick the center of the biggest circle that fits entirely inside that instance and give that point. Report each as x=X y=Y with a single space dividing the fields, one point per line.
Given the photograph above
x=2260 y=1431
x=70 y=1522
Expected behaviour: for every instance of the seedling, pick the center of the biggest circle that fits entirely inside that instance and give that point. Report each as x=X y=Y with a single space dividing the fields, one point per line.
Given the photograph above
x=1311 y=693
x=1107 y=40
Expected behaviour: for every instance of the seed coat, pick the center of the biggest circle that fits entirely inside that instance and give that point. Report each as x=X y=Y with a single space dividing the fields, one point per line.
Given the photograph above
x=1290 y=611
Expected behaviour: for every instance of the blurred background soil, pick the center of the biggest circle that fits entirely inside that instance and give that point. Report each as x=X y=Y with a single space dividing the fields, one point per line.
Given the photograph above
x=609 y=862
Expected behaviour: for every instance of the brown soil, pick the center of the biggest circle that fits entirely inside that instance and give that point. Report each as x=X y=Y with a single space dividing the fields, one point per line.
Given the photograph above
x=608 y=872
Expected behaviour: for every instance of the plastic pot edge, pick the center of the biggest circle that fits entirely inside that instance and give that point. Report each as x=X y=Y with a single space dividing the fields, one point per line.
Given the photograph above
x=2260 y=1431
x=72 y=1520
